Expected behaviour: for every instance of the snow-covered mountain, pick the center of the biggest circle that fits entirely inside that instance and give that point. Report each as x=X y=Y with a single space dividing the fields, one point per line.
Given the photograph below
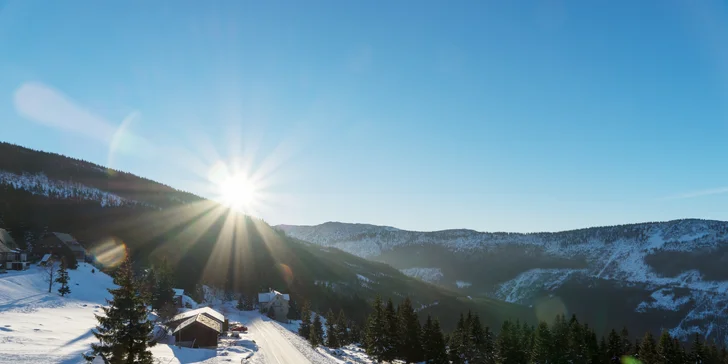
x=674 y=270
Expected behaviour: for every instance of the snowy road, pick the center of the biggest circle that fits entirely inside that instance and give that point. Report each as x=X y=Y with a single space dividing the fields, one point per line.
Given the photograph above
x=276 y=348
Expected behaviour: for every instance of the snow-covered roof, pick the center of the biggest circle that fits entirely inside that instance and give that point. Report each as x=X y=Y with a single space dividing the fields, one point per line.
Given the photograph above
x=269 y=296
x=66 y=238
x=4 y=248
x=205 y=320
x=178 y=291
x=205 y=310
x=7 y=240
x=70 y=241
x=45 y=258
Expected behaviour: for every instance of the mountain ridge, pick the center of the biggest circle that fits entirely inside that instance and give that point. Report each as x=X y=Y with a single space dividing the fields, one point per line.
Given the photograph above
x=672 y=268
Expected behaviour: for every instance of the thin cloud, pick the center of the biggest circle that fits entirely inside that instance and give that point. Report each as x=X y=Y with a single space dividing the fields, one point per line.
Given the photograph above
x=701 y=193
x=42 y=104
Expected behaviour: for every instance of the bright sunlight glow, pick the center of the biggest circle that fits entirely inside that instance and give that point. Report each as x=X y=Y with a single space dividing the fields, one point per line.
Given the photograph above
x=238 y=192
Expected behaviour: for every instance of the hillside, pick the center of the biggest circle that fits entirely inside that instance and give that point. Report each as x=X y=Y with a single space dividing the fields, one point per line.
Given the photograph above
x=203 y=241
x=646 y=276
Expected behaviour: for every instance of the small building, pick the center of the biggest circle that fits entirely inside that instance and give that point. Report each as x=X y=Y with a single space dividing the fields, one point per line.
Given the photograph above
x=275 y=301
x=60 y=244
x=198 y=331
x=11 y=258
x=184 y=316
x=178 y=299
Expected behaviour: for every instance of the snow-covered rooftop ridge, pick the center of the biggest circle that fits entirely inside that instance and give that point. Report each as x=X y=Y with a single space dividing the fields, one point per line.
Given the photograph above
x=206 y=310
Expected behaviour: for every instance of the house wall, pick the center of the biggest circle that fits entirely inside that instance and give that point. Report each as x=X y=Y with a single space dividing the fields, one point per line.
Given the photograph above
x=202 y=335
x=280 y=309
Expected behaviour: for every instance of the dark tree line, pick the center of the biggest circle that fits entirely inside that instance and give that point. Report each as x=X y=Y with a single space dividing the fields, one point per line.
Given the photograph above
x=396 y=334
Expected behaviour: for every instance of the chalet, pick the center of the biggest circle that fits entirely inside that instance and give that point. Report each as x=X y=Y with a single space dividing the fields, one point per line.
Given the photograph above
x=207 y=311
x=60 y=244
x=198 y=331
x=198 y=328
x=10 y=256
x=275 y=301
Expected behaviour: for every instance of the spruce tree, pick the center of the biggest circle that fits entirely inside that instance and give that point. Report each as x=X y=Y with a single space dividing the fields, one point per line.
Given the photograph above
x=438 y=354
x=391 y=332
x=525 y=339
x=305 y=329
x=560 y=334
x=594 y=355
x=355 y=334
x=477 y=341
x=626 y=342
x=458 y=342
x=488 y=346
x=316 y=337
x=342 y=331
x=666 y=352
x=332 y=341
x=163 y=292
x=62 y=279
x=647 y=351
x=614 y=347
x=124 y=329
x=541 y=352
x=375 y=332
x=577 y=345
x=241 y=303
x=409 y=333
x=697 y=351
x=507 y=344
x=149 y=286
x=427 y=338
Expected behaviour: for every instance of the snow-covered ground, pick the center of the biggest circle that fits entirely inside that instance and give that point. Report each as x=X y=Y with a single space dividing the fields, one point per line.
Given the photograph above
x=431 y=275
x=39 y=327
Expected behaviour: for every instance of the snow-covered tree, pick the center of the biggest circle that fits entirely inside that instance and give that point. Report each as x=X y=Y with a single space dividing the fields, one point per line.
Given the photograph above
x=305 y=329
x=332 y=341
x=124 y=330
x=316 y=337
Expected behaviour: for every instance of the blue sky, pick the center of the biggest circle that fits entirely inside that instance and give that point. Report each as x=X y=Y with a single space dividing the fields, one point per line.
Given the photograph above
x=508 y=116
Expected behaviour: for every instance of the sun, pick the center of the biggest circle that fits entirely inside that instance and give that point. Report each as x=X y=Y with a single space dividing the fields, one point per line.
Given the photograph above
x=239 y=193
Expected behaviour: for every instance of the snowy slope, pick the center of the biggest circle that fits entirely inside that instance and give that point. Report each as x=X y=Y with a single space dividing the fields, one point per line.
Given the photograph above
x=39 y=184
x=41 y=327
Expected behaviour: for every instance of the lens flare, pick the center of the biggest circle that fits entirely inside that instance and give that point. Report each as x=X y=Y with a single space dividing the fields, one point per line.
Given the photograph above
x=110 y=253
x=547 y=308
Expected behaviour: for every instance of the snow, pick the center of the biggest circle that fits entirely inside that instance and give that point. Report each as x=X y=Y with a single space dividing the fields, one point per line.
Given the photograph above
x=463 y=284
x=363 y=278
x=663 y=299
x=41 y=327
x=431 y=275
x=39 y=184
x=523 y=287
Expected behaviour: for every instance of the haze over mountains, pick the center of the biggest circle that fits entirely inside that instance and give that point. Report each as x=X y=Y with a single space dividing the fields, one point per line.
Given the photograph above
x=657 y=275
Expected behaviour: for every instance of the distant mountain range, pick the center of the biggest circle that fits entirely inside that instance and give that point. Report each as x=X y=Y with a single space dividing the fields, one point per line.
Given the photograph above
x=661 y=275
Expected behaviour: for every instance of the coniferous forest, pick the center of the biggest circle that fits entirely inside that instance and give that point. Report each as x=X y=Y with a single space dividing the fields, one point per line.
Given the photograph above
x=395 y=333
